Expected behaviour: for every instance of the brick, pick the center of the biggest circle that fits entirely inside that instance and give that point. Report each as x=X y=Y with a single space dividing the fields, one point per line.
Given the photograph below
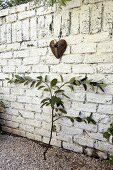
x=65 y=23
x=97 y=136
x=74 y=4
x=6 y=55
x=48 y=25
x=33 y=27
x=22 y=7
x=7 y=129
x=3 y=62
x=84 y=141
x=86 y=68
x=73 y=58
x=11 y=124
x=75 y=21
x=31 y=60
x=26 y=14
x=64 y=137
x=19 y=31
x=73 y=147
x=33 y=107
x=9 y=69
x=11 y=18
x=105 y=108
x=107 y=15
x=96 y=37
x=105 y=47
x=83 y=48
x=25 y=30
x=27 y=114
x=101 y=118
x=38 y=52
x=85 y=126
x=99 y=98
x=40 y=69
x=14 y=32
x=98 y=58
x=17 y=91
x=42 y=132
x=17 y=105
x=33 y=122
x=56 y=25
x=96 y=13
x=105 y=68
x=3 y=34
x=103 y=146
x=88 y=107
x=30 y=135
x=54 y=142
x=78 y=96
x=9 y=30
x=21 y=54
x=41 y=26
x=103 y=127
x=61 y=68
x=71 y=130
x=26 y=128
x=84 y=19
x=33 y=93
x=11 y=98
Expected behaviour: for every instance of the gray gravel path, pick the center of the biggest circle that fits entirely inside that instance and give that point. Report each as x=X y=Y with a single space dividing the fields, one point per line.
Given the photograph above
x=17 y=153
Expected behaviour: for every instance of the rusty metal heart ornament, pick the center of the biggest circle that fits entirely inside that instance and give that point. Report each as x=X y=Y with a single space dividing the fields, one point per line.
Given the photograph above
x=58 y=48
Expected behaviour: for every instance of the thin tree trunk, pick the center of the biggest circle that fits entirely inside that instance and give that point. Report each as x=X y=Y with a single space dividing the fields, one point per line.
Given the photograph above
x=50 y=136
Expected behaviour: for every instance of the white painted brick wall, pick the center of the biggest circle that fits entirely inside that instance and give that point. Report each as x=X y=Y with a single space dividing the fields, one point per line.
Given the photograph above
x=25 y=34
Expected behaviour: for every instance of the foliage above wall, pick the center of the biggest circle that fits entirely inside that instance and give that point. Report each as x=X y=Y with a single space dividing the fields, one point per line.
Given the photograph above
x=7 y=3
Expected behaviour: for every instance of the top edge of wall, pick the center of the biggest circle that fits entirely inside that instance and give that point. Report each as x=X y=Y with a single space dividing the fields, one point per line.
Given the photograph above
x=31 y=5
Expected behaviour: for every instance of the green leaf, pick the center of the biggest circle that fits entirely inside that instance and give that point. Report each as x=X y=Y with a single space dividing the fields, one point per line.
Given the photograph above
x=54 y=128
x=76 y=83
x=32 y=84
x=71 y=119
x=71 y=87
x=44 y=100
x=62 y=80
x=44 y=104
x=17 y=76
x=106 y=135
x=93 y=121
x=46 y=89
x=53 y=82
x=59 y=91
x=7 y=78
x=39 y=77
x=63 y=111
x=110 y=160
x=72 y=80
x=27 y=78
x=40 y=87
x=79 y=119
x=85 y=87
x=46 y=78
x=65 y=96
x=38 y=83
x=26 y=83
x=84 y=79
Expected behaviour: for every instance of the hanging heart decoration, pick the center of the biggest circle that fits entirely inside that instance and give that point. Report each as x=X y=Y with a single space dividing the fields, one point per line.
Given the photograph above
x=58 y=47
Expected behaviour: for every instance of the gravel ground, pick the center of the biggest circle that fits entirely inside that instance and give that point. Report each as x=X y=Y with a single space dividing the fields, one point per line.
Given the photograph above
x=17 y=153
